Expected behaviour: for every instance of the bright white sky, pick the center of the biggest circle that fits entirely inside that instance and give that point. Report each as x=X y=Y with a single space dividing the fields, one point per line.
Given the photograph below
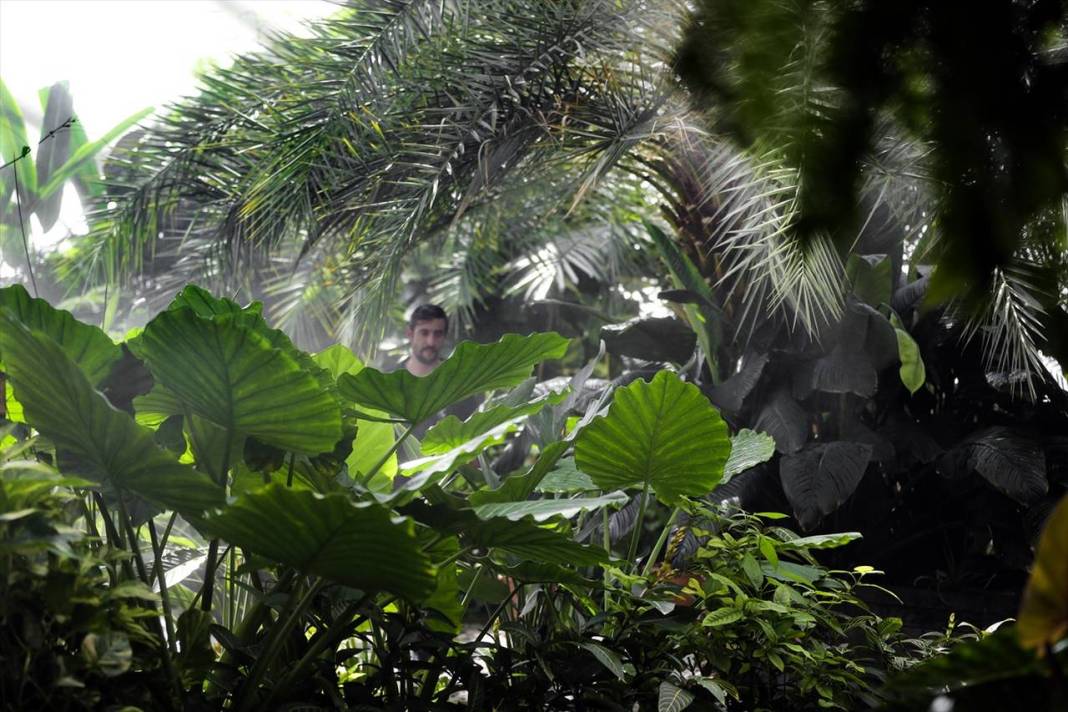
x=121 y=56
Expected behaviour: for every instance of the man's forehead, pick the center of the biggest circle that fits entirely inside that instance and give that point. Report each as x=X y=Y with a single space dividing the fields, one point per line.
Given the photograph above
x=430 y=324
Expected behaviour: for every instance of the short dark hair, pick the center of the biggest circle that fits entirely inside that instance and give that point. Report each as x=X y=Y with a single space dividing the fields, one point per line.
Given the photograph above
x=427 y=312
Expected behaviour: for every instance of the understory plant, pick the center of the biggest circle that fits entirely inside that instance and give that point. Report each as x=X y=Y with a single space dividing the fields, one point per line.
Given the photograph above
x=240 y=517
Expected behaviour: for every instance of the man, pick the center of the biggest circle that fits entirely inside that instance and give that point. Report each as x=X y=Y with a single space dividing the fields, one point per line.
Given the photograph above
x=426 y=337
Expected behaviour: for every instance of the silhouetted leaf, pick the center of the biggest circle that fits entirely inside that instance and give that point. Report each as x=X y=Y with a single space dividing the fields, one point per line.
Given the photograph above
x=1013 y=464
x=730 y=396
x=784 y=420
x=819 y=479
x=651 y=339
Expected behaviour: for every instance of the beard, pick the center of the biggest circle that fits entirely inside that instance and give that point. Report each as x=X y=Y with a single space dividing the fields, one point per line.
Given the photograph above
x=427 y=355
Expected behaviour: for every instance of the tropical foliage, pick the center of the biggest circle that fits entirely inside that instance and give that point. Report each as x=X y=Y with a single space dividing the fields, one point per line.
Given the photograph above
x=231 y=556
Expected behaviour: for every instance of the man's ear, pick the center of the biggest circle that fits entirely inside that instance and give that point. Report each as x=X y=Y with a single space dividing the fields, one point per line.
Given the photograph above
x=408 y=331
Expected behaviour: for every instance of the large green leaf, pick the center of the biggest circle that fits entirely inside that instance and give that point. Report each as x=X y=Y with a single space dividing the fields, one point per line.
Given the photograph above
x=451 y=432
x=519 y=487
x=522 y=539
x=359 y=545
x=373 y=438
x=663 y=433
x=913 y=372
x=542 y=509
x=472 y=368
x=1044 y=614
x=99 y=442
x=87 y=346
x=230 y=374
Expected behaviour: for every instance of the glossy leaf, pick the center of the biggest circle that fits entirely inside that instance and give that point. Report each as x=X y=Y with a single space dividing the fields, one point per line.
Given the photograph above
x=662 y=432
x=651 y=339
x=606 y=657
x=358 y=545
x=230 y=374
x=472 y=368
x=95 y=439
x=748 y=449
x=672 y=698
x=542 y=509
x=519 y=487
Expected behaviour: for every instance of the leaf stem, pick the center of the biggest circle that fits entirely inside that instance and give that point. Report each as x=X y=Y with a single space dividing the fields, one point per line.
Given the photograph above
x=632 y=551
x=659 y=543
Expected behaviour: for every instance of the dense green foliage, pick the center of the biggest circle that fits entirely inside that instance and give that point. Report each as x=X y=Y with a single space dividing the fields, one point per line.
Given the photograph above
x=314 y=583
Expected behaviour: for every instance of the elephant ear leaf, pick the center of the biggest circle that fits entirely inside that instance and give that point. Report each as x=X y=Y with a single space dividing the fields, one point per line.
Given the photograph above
x=818 y=480
x=98 y=441
x=1013 y=464
x=228 y=372
x=662 y=433
x=87 y=346
x=1043 y=617
x=473 y=368
x=358 y=545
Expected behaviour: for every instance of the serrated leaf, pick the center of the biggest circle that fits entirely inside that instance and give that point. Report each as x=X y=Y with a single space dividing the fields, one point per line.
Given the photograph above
x=721 y=616
x=359 y=545
x=663 y=433
x=472 y=368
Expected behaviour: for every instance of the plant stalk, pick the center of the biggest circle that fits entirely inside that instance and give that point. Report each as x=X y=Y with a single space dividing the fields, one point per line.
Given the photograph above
x=659 y=543
x=632 y=550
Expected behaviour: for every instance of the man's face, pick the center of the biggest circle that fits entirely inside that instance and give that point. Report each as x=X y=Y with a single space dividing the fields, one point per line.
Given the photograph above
x=426 y=339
